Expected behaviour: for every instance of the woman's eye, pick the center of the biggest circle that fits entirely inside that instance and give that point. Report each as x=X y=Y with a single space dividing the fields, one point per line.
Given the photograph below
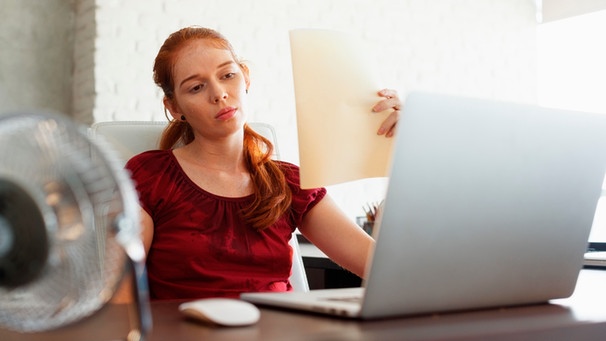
x=197 y=88
x=229 y=75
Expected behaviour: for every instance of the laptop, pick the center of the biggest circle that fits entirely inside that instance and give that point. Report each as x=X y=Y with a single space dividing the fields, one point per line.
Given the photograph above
x=489 y=204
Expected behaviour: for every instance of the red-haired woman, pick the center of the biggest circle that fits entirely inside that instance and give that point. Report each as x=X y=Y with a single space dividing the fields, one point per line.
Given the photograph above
x=217 y=211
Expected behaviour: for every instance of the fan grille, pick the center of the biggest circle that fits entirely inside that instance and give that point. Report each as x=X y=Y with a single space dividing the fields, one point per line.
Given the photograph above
x=81 y=193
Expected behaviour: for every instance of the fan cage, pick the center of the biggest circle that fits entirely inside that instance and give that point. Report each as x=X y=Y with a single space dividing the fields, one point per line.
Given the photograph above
x=90 y=210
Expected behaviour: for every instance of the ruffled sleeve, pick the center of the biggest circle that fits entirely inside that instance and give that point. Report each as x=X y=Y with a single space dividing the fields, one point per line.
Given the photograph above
x=145 y=169
x=303 y=200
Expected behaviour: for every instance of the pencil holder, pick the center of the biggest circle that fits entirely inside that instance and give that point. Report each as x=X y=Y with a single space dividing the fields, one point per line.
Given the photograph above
x=365 y=224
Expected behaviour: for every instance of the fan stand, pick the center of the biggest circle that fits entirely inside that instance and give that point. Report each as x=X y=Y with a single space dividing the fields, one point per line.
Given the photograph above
x=142 y=309
x=140 y=292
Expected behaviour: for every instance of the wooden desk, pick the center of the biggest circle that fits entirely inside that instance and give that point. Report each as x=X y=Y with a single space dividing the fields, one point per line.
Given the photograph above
x=580 y=317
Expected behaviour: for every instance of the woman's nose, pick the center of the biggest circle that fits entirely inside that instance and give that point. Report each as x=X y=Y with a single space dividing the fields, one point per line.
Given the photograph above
x=220 y=97
x=218 y=94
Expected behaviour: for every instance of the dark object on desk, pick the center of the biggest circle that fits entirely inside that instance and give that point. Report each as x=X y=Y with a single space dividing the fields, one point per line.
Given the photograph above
x=82 y=215
x=596 y=246
x=323 y=273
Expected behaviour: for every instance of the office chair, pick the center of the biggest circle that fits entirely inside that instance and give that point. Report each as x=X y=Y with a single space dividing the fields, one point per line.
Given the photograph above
x=129 y=138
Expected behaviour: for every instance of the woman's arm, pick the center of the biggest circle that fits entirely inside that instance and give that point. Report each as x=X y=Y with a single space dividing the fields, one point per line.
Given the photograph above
x=147 y=230
x=344 y=242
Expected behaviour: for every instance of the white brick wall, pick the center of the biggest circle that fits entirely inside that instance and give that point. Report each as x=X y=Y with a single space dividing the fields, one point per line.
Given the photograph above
x=482 y=48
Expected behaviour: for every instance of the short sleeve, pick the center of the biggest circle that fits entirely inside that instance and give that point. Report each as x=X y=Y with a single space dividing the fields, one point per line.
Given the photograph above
x=303 y=200
x=144 y=169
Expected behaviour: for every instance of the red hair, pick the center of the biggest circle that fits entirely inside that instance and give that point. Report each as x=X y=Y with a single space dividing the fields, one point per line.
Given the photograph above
x=272 y=196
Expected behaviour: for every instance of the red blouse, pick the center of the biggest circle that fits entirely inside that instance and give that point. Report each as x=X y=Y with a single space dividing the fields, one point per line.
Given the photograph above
x=201 y=245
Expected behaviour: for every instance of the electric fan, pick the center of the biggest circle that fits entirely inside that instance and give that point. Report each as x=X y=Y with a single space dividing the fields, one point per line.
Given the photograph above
x=69 y=225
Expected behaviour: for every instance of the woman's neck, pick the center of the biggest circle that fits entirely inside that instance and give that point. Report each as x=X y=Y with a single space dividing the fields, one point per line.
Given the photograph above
x=217 y=168
x=224 y=156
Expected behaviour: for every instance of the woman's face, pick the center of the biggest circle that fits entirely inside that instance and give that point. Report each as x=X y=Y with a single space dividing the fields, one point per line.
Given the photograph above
x=210 y=89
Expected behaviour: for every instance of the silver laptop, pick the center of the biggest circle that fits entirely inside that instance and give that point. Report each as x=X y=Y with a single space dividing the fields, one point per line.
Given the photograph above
x=489 y=204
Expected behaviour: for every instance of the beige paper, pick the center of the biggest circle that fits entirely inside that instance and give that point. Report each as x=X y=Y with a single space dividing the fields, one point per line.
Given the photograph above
x=334 y=94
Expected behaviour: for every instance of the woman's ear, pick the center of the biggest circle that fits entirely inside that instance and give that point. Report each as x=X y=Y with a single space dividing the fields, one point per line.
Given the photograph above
x=246 y=73
x=168 y=104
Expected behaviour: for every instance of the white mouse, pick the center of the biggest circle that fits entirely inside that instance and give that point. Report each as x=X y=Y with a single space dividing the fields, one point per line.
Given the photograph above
x=229 y=312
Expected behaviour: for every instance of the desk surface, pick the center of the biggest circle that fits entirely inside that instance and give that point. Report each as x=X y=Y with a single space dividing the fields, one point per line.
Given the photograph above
x=580 y=317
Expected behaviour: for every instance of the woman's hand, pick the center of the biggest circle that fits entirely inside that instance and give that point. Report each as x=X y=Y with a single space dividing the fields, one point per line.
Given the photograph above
x=391 y=101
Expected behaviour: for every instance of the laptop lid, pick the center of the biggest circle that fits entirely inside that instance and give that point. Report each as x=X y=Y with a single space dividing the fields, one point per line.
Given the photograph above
x=488 y=204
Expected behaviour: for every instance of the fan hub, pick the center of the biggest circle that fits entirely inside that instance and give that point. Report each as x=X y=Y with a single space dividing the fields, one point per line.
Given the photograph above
x=23 y=239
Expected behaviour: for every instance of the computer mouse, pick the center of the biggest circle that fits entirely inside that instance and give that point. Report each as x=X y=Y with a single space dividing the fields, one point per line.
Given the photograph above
x=228 y=312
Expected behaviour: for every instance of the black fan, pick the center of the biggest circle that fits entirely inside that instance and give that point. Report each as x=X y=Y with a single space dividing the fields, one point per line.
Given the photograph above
x=69 y=225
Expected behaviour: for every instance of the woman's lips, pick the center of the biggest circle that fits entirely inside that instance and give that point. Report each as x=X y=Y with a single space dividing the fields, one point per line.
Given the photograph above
x=226 y=113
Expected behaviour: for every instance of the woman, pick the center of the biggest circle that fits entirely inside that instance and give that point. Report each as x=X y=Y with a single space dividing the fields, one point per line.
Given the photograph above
x=217 y=212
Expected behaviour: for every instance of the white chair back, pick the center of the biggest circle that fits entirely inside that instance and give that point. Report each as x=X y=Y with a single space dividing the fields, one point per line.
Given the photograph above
x=129 y=138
